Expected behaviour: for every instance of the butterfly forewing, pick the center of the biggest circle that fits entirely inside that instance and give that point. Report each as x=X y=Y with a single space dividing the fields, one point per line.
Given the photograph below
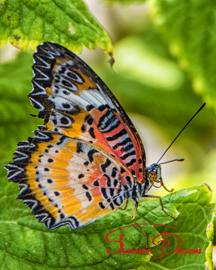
x=75 y=102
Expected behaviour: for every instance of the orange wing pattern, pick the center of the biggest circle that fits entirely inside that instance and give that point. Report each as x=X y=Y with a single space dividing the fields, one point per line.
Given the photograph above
x=88 y=157
x=66 y=181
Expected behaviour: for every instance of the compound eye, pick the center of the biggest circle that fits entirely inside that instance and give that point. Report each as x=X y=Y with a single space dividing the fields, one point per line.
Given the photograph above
x=153 y=176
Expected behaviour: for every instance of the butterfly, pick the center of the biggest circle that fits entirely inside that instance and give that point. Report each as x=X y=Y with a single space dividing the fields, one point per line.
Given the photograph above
x=87 y=159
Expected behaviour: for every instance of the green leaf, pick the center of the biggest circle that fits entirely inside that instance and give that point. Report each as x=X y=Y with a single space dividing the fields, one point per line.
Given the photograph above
x=27 y=244
x=189 y=28
x=15 y=85
x=29 y=23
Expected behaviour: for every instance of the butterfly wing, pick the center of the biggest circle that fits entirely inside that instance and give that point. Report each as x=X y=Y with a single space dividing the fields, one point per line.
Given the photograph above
x=67 y=181
x=81 y=163
x=74 y=101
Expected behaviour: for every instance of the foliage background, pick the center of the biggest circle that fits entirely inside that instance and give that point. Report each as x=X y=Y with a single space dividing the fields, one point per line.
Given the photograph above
x=165 y=69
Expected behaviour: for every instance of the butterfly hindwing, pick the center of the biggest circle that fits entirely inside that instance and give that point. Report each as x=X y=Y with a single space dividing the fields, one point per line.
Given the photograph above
x=74 y=101
x=67 y=181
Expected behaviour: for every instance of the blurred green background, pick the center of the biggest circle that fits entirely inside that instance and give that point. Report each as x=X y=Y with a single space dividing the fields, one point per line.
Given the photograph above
x=152 y=81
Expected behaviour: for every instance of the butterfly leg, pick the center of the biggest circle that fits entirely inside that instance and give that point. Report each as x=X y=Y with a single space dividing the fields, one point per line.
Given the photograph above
x=162 y=184
x=135 y=209
x=153 y=196
x=144 y=233
x=133 y=216
x=134 y=213
x=124 y=208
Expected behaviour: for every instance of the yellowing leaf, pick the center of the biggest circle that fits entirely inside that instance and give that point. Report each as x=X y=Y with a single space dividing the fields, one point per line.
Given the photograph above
x=69 y=23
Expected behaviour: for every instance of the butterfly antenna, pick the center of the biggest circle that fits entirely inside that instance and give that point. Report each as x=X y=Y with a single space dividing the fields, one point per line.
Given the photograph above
x=181 y=132
x=177 y=159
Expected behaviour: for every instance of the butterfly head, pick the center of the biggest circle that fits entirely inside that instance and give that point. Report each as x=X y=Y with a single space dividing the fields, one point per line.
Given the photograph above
x=153 y=176
x=153 y=173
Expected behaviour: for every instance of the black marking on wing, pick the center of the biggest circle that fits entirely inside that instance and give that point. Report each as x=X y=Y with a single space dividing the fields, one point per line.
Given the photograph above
x=91 y=153
x=105 y=165
x=124 y=142
x=117 y=135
